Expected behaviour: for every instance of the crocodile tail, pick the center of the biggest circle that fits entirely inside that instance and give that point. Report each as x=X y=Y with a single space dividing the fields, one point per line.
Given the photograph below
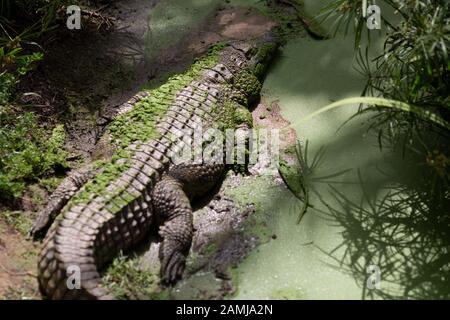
x=84 y=241
x=89 y=235
x=56 y=265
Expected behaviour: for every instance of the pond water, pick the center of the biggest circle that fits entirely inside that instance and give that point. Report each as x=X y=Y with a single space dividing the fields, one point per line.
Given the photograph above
x=309 y=75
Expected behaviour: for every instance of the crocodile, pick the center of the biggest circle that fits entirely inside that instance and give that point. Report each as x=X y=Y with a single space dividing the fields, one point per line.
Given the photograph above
x=133 y=184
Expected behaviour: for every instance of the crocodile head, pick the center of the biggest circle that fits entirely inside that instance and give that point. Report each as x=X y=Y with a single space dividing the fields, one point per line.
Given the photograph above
x=259 y=52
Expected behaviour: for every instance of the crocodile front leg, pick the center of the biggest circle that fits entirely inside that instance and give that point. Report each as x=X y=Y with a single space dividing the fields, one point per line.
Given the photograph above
x=171 y=199
x=58 y=199
x=173 y=208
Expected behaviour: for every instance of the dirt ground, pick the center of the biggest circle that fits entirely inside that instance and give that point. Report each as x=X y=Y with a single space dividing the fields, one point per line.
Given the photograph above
x=84 y=78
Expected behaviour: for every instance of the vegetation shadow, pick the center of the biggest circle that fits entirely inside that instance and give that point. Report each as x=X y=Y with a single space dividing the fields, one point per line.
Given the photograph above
x=403 y=232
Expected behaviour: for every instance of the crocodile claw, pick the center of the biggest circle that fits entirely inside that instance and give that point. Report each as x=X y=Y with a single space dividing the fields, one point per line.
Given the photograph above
x=39 y=227
x=172 y=268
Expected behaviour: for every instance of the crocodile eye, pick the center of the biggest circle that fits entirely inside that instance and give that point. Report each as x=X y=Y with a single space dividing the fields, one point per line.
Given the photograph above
x=222 y=69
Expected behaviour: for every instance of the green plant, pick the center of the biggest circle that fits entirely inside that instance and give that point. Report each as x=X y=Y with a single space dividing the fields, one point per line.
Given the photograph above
x=382 y=103
x=127 y=279
x=28 y=19
x=404 y=231
x=413 y=68
x=299 y=177
x=22 y=23
x=18 y=220
x=14 y=65
x=27 y=152
x=296 y=178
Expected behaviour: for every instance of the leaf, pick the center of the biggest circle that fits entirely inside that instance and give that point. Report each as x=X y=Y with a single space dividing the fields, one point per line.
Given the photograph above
x=381 y=102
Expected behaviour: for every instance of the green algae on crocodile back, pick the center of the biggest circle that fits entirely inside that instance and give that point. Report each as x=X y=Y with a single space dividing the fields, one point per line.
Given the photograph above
x=139 y=124
x=111 y=205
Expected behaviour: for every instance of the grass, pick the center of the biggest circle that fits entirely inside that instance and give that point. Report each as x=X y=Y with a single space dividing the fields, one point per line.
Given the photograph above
x=299 y=177
x=27 y=153
x=425 y=115
x=19 y=294
x=127 y=279
x=18 y=220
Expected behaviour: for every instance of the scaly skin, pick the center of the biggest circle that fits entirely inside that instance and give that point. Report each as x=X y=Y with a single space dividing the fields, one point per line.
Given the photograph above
x=91 y=231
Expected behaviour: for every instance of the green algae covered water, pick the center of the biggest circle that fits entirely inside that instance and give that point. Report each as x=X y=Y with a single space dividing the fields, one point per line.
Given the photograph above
x=169 y=21
x=309 y=75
